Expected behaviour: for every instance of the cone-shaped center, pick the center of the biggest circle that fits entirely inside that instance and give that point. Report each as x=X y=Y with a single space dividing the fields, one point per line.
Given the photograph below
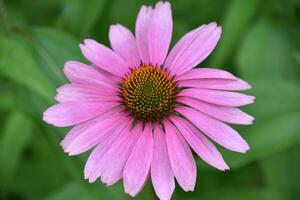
x=148 y=93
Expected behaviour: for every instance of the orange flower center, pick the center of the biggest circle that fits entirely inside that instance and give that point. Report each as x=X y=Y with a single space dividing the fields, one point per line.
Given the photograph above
x=148 y=93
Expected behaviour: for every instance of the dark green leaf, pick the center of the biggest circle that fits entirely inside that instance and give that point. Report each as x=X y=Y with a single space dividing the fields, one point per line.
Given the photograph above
x=79 y=16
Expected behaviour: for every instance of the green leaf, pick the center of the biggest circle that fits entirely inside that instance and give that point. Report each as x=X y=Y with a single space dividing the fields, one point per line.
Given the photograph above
x=22 y=12
x=17 y=64
x=273 y=97
x=53 y=48
x=80 y=16
x=5 y=99
x=236 y=19
x=244 y=194
x=15 y=137
x=267 y=52
x=41 y=171
x=71 y=191
x=281 y=171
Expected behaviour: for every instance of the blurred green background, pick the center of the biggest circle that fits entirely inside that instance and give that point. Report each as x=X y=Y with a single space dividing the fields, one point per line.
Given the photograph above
x=260 y=43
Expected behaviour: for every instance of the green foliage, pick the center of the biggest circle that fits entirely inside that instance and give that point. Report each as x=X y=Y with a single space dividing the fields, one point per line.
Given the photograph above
x=79 y=16
x=17 y=64
x=235 y=22
x=260 y=43
x=15 y=136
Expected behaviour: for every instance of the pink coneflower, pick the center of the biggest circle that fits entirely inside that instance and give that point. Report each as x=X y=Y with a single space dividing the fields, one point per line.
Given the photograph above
x=141 y=110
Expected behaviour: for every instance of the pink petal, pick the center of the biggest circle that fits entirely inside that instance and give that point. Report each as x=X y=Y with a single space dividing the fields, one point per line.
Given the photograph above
x=200 y=144
x=223 y=98
x=216 y=130
x=94 y=165
x=115 y=159
x=161 y=170
x=104 y=57
x=181 y=158
x=86 y=135
x=204 y=73
x=123 y=43
x=74 y=112
x=78 y=72
x=216 y=84
x=223 y=113
x=141 y=32
x=111 y=77
x=193 y=48
x=92 y=169
x=160 y=33
x=85 y=92
x=137 y=167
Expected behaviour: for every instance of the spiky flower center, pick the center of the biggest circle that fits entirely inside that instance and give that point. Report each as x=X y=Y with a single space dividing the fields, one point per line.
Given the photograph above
x=148 y=93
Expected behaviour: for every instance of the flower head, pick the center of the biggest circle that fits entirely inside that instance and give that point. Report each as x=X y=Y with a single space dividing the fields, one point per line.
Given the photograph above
x=142 y=110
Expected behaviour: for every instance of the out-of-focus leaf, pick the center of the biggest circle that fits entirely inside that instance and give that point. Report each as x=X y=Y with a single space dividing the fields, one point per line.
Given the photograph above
x=14 y=138
x=245 y=194
x=71 y=191
x=281 y=171
x=79 y=16
x=273 y=97
x=53 y=49
x=267 y=137
x=236 y=19
x=35 y=12
x=41 y=171
x=5 y=99
x=17 y=64
x=297 y=56
x=23 y=97
x=267 y=52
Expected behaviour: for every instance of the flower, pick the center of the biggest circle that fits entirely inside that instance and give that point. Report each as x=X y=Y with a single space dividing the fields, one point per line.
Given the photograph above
x=142 y=111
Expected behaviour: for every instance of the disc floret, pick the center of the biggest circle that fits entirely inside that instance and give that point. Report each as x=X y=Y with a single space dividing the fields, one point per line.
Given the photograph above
x=148 y=92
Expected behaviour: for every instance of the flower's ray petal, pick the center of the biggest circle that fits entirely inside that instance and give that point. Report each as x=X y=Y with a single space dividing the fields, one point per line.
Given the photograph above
x=206 y=73
x=104 y=57
x=80 y=73
x=200 y=144
x=124 y=44
x=115 y=159
x=141 y=32
x=216 y=84
x=224 y=113
x=137 y=167
x=215 y=129
x=75 y=112
x=86 y=93
x=86 y=135
x=181 y=158
x=193 y=48
x=160 y=33
x=161 y=171
x=217 y=97
x=93 y=166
